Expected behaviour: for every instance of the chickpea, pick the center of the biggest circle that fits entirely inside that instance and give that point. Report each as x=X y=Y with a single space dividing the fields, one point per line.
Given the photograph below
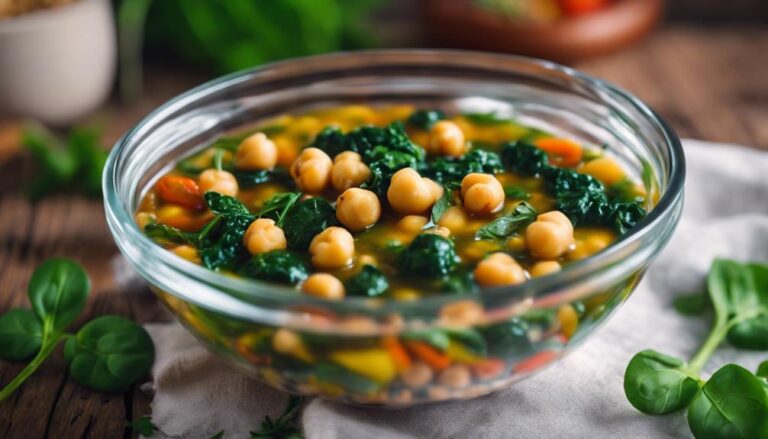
x=461 y=313
x=263 y=236
x=409 y=193
x=482 y=193
x=544 y=268
x=358 y=209
x=215 y=180
x=439 y=230
x=287 y=151
x=332 y=248
x=324 y=286
x=437 y=190
x=289 y=343
x=569 y=320
x=550 y=236
x=348 y=171
x=446 y=138
x=417 y=376
x=312 y=170
x=187 y=252
x=454 y=219
x=412 y=223
x=455 y=376
x=499 y=269
x=256 y=152
x=144 y=218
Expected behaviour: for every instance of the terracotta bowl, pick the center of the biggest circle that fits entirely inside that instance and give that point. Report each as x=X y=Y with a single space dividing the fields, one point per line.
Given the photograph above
x=460 y=24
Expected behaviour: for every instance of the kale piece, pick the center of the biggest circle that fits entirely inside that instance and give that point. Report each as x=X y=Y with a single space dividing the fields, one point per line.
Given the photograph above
x=428 y=255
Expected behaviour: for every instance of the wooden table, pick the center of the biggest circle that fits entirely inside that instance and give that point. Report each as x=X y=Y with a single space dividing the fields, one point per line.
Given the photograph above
x=710 y=84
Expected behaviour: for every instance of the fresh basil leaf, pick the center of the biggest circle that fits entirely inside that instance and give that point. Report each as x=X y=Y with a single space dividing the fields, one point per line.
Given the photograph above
x=692 y=304
x=21 y=335
x=657 y=384
x=58 y=290
x=762 y=370
x=503 y=226
x=732 y=404
x=751 y=334
x=109 y=353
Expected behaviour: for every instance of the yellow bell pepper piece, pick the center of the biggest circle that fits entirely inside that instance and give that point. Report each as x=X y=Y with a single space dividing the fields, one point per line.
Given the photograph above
x=460 y=354
x=375 y=364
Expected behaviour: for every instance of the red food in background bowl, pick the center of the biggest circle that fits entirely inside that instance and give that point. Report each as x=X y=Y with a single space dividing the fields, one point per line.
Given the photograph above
x=586 y=28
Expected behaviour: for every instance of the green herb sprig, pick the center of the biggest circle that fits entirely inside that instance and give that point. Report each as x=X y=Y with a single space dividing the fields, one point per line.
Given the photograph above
x=108 y=353
x=733 y=403
x=503 y=226
x=75 y=164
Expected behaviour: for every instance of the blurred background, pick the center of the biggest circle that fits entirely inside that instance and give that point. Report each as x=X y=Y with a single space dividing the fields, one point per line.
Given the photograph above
x=77 y=74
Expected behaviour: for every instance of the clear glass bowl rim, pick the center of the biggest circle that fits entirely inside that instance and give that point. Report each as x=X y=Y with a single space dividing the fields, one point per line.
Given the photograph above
x=122 y=224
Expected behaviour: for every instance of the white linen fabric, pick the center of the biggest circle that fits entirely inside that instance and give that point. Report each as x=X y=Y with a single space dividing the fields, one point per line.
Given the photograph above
x=726 y=215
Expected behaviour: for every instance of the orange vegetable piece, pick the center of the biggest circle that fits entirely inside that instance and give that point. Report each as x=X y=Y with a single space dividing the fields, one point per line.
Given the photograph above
x=434 y=358
x=561 y=152
x=180 y=190
x=397 y=352
x=488 y=368
x=535 y=361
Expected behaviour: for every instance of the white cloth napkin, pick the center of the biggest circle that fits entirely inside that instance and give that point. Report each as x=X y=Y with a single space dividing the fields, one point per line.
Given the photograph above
x=726 y=214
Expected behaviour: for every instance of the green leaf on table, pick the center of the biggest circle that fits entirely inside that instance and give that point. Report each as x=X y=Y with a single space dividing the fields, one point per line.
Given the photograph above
x=732 y=404
x=692 y=304
x=762 y=369
x=58 y=290
x=656 y=384
x=143 y=425
x=505 y=225
x=285 y=426
x=751 y=334
x=109 y=353
x=21 y=334
x=76 y=163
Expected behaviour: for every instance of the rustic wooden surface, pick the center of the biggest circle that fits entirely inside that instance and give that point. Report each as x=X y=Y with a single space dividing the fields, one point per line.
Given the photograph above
x=710 y=84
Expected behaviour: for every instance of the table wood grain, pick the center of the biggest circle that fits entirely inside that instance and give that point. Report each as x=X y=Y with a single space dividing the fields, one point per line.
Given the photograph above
x=710 y=84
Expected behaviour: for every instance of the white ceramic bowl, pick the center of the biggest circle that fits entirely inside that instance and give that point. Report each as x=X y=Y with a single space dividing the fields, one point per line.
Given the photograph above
x=57 y=64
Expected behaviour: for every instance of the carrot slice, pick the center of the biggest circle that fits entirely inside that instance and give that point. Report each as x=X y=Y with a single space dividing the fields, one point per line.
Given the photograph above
x=180 y=190
x=561 y=152
x=397 y=352
x=434 y=358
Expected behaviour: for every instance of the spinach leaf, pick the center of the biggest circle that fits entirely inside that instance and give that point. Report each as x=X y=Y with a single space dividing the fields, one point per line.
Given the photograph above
x=58 y=290
x=486 y=118
x=109 y=353
x=657 y=384
x=448 y=169
x=470 y=339
x=425 y=119
x=225 y=205
x=428 y=256
x=276 y=266
x=278 y=206
x=383 y=165
x=524 y=158
x=459 y=281
x=21 y=335
x=163 y=234
x=223 y=245
x=516 y=192
x=507 y=338
x=732 y=404
x=336 y=375
x=306 y=220
x=624 y=191
x=249 y=179
x=444 y=203
x=505 y=225
x=369 y=282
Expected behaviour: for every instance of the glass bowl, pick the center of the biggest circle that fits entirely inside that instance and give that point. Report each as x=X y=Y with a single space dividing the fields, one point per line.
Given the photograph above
x=399 y=353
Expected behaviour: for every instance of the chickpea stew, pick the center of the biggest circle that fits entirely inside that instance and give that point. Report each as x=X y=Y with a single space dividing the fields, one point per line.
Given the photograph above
x=392 y=202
